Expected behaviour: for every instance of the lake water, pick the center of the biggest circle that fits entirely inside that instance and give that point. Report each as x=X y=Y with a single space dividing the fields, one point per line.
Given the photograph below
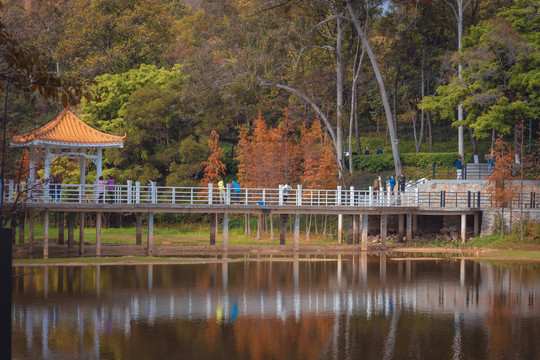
x=333 y=307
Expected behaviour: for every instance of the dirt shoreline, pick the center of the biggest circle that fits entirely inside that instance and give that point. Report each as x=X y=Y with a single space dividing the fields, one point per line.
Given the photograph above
x=125 y=254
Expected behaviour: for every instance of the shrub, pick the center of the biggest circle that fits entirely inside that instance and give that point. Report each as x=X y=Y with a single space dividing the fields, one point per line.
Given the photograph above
x=373 y=163
x=379 y=163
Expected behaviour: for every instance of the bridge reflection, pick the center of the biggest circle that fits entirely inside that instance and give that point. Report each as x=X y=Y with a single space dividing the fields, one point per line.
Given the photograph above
x=93 y=303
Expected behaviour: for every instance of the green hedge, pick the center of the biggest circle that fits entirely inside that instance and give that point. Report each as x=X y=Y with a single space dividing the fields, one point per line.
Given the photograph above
x=378 y=163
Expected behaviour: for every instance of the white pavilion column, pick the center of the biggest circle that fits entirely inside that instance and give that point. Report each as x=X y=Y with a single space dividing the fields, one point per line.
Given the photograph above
x=32 y=174
x=47 y=162
x=99 y=164
x=83 y=166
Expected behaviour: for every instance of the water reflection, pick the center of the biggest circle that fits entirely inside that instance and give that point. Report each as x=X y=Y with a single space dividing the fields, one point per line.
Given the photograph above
x=341 y=307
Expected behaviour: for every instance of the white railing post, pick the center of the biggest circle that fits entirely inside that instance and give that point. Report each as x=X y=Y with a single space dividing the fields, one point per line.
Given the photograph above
x=191 y=196
x=129 y=199
x=228 y=194
x=371 y=196
x=173 y=194
x=153 y=189
x=299 y=196
x=351 y=197
x=246 y=198
x=280 y=201
x=11 y=191
x=338 y=197
x=210 y=193
x=264 y=196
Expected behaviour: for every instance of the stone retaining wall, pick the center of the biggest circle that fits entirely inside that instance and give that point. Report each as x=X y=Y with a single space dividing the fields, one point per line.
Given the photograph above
x=474 y=185
x=489 y=216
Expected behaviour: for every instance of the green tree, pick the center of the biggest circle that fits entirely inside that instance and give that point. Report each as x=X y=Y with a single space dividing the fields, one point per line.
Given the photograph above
x=108 y=109
x=500 y=81
x=114 y=36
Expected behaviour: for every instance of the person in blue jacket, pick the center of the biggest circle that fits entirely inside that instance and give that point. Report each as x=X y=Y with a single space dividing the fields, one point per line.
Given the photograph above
x=392 y=184
x=379 y=151
x=236 y=189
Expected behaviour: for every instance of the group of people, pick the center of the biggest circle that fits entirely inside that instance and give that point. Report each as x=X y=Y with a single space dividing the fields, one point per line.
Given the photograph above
x=55 y=188
x=106 y=187
x=235 y=199
x=379 y=185
x=379 y=151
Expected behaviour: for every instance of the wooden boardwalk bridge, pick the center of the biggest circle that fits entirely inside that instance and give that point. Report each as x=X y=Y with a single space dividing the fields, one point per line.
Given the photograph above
x=358 y=205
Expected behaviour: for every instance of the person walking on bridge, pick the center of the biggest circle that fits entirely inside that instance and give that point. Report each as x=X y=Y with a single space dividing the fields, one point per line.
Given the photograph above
x=101 y=190
x=221 y=186
x=286 y=189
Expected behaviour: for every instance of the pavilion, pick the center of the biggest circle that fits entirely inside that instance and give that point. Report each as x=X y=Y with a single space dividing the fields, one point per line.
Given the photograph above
x=67 y=135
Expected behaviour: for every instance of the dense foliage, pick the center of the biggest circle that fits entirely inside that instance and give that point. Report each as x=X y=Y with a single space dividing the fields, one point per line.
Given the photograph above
x=169 y=72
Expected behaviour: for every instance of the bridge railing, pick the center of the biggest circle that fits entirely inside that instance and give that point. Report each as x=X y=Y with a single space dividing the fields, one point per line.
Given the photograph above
x=135 y=193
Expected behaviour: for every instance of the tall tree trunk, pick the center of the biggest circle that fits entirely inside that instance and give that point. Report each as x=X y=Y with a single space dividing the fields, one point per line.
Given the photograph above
x=428 y=114
x=325 y=223
x=473 y=142
x=516 y=145
x=430 y=130
x=492 y=141
x=396 y=81
x=339 y=94
x=413 y=119
x=382 y=89
x=354 y=107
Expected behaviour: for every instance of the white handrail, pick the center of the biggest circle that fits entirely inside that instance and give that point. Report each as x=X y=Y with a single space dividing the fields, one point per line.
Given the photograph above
x=130 y=193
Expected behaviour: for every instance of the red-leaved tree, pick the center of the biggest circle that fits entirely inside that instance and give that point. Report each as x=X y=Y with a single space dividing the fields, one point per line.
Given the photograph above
x=214 y=168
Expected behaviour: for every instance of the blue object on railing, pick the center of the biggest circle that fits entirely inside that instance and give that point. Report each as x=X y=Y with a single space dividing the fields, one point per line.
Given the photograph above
x=261 y=203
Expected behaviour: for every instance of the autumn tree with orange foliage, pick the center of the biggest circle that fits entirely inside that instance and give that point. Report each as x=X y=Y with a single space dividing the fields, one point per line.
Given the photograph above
x=319 y=168
x=266 y=157
x=214 y=168
x=500 y=181
x=269 y=157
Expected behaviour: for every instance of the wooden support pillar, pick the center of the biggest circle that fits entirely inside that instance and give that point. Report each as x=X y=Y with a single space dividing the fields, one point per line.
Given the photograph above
x=415 y=225
x=21 y=228
x=476 y=224
x=31 y=229
x=150 y=239
x=213 y=218
x=463 y=227
x=81 y=234
x=61 y=223
x=357 y=227
x=46 y=235
x=138 y=229
x=401 y=226
x=409 y=228
x=350 y=229
x=225 y=234
x=384 y=222
x=296 y=232
x=71 y=227
x=282 y=228
x=364 y=231
x=340 y=229
x=98 y=234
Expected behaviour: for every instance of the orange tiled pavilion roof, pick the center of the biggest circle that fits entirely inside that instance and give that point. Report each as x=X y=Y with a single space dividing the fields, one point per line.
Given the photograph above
x=66 y=129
